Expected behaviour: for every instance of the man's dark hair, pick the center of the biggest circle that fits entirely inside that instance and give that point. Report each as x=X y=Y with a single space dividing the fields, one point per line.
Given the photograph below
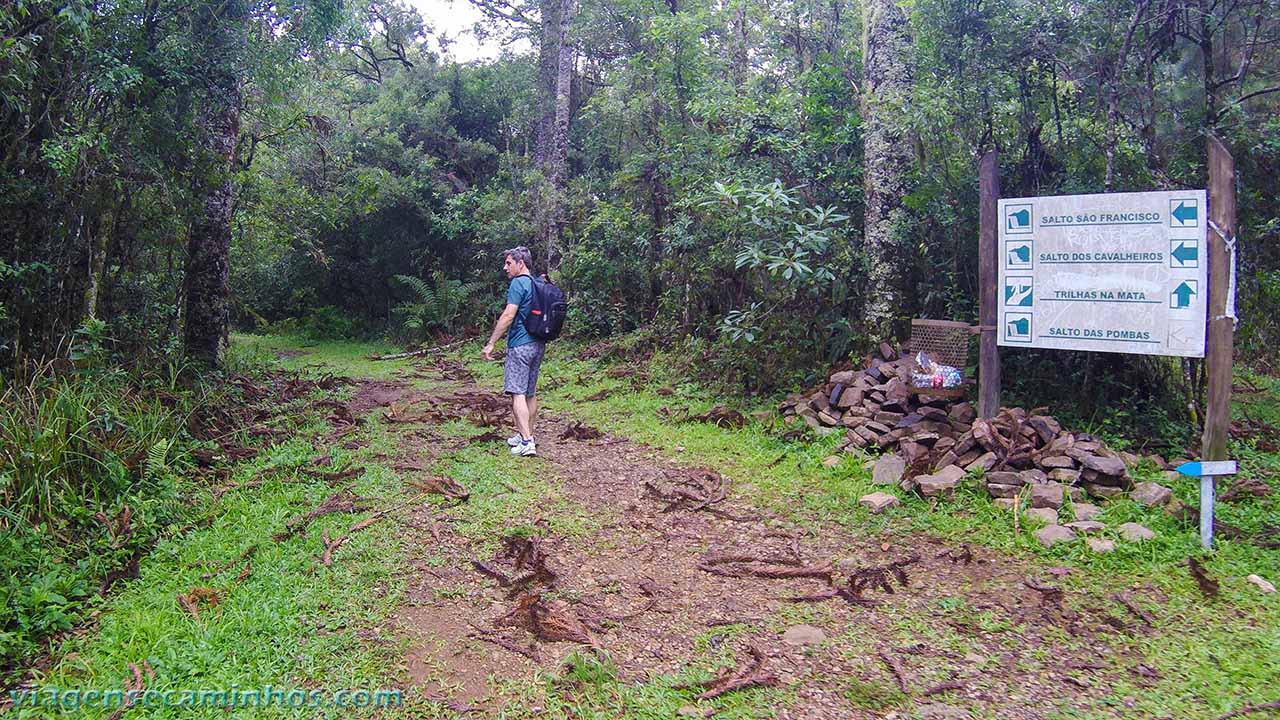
x=520 y=253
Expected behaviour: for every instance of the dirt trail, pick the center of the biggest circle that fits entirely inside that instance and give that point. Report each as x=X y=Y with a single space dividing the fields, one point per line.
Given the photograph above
x=966 y=632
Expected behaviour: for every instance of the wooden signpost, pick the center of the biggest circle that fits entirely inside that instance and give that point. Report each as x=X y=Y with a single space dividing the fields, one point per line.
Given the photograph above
x=988 y=352
x=1045 y=264
x=1221 y=325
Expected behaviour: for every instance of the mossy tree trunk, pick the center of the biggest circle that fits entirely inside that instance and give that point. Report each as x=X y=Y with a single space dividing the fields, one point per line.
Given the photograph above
x=555 y=75
x=887 y=145
x=217 y=128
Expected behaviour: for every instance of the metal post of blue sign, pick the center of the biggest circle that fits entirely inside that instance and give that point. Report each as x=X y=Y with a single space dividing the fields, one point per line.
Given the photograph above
x=1207 y=471
x=1206 y=512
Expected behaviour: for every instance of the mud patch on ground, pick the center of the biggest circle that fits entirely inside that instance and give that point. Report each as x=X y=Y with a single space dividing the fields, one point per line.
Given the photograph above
x=373 y=394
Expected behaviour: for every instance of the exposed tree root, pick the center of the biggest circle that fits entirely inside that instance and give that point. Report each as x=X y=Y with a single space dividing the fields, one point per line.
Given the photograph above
x=750 y=673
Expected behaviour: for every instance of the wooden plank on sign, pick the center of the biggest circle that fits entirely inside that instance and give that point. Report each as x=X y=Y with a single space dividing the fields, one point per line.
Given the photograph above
x=988 y=278
x=1219 y=334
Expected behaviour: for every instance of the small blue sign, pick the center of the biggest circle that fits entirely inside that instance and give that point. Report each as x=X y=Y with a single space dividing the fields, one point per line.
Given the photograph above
x=1184 y=212
x=1017 y=219
x=1181 y=296
x=1206 y=468
x=1017 y=255
x=1018 y=292
x=1017 y=327
x=1184 y=253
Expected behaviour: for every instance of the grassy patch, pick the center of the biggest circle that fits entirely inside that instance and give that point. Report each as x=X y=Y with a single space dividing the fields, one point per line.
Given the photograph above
x=291 y=618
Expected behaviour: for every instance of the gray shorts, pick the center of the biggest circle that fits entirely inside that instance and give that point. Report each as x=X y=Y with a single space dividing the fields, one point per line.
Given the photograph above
x=520 y=371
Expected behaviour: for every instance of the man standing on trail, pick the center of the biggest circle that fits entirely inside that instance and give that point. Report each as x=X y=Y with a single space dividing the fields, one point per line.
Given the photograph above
x=524 y=352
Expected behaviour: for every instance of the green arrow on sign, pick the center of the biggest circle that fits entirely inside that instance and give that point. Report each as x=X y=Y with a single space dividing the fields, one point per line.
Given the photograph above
x=1184 y=213
x=1184 y=253
x=1183 y=294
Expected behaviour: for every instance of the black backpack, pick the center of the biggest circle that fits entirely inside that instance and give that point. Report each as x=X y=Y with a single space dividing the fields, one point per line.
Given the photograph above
x=547 y=309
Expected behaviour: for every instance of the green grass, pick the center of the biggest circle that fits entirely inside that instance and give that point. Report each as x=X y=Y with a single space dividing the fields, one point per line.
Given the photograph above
x=284 y=626
x=296 y=624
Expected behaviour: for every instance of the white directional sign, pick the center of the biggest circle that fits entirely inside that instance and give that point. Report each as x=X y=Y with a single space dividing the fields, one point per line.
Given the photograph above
x=1122 y=272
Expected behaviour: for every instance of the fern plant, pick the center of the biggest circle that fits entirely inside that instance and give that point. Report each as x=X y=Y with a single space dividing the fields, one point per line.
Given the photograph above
x=438 y=305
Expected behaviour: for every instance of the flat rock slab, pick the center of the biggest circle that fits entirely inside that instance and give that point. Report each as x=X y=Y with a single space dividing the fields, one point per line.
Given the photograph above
x=831 y=461
x=951 y=472
x=1005 y=503
x=1085 y=511
x=804 y=635
x=1087 y=526
x=1133 y=532
x=888 y=470
x=1048 y=495
x=1048 y=516
x=1150 y=494
x=1004 y=477
x=1054 y=534
x=996 y=490
x=877 y=502
x=931 y=485
x=1034 y=476
x=1100 y=545
x=985 y=461
x=1113 y=466
x=1106 y=492
x=1266 y=587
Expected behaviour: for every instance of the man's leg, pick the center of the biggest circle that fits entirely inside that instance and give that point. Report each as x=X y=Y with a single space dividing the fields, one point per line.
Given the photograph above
x=531 y=399
x=520 y=407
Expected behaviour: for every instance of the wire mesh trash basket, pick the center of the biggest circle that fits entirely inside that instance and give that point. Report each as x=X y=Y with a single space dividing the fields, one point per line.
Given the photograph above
x=945 y=342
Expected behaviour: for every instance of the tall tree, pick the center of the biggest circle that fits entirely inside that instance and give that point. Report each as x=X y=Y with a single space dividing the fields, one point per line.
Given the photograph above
x=887 y=148
x=222 y=46
x=555 y=76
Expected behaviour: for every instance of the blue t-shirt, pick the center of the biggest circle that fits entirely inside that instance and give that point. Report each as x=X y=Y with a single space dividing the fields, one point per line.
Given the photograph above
x=520 y=294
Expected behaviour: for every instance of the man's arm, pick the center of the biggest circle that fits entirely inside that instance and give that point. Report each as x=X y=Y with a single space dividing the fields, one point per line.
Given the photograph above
x=507 y=317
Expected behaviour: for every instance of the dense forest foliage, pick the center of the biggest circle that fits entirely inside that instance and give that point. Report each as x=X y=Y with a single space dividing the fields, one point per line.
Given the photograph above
x=699 y=169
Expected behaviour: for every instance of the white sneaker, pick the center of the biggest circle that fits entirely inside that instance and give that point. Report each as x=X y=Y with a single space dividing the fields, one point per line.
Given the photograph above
x=515 y=440
x=525 y=448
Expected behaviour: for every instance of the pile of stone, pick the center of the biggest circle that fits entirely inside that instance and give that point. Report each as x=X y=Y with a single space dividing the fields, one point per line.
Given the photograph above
x=940 y=439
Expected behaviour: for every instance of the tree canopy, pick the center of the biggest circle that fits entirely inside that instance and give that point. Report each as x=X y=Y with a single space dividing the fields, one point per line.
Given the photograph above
x=714 y=172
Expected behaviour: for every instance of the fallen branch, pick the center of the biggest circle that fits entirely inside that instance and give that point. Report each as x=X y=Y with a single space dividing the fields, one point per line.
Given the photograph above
x=133 y=688
x=896 y=668
x=1127 y=601
x=329 y=547
x=881 y=576
x=190 y=600
x=249 y=551
x=339 y=502
x=490 y=636
x=693 y=495
x=773 y=568
x=1208 y=586
x=421 y=353
x=941 y=688
x=749 y=674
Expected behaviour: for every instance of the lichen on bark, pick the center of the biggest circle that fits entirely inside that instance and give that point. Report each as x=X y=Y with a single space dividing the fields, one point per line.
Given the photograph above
x=887 y=82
